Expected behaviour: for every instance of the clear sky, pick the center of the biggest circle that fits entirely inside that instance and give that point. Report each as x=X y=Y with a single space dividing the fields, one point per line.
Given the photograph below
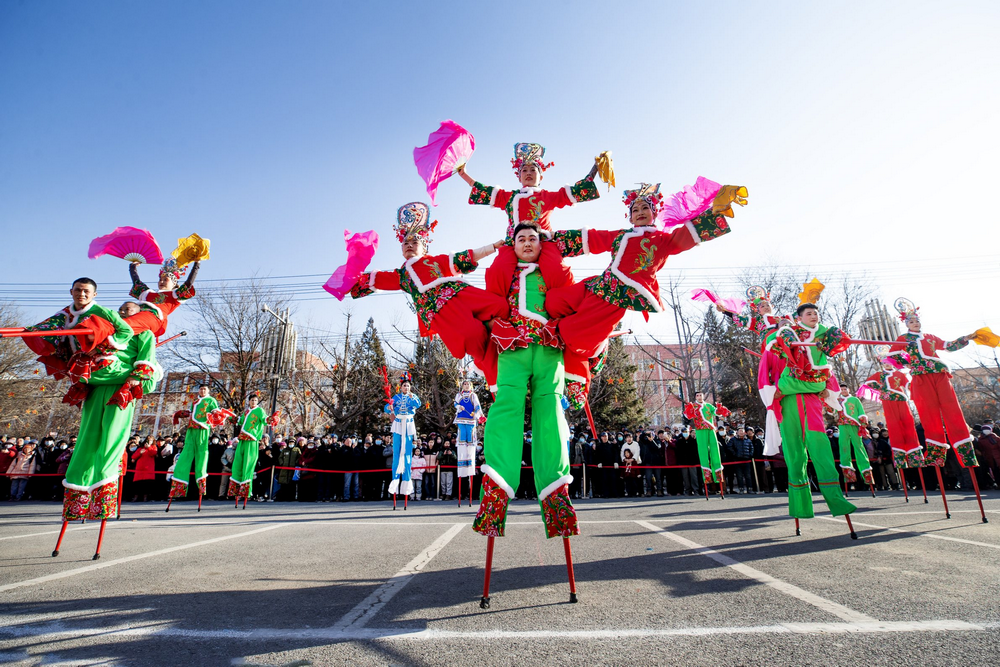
x=865 y=132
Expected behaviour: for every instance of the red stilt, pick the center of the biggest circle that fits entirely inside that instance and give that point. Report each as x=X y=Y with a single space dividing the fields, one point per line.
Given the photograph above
x=797 y=530
x=121 y=483
x=722 y=486
x=406 y=499
x=947 y=514
x=199 y=502
x=923 y=486
x=854 y=535
x=470 y=491
x=845 y=488
x=979 y=498
x=62 y=533
x=244 y=501
x=169 y=500
x=485 y=602
x=706 y=488
x=394 y=502
x=100 y=539
x=902 y=481
x=569 y=570
x=237 y=505
x=459 y=484
x=871 y=487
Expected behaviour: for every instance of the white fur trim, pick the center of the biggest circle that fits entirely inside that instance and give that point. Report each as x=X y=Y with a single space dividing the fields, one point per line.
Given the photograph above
x=493 y=195
x=569 y=193
x=422 y=287
x=149 y=304
x=90 y=488
x=652 y=299
x=551 y=488
x=939 y=444
x=500 y=481
x=240 y=482
x=575 y=378
x=962 y=442
x=522 y=293
x=694 y=232
x=586 y=241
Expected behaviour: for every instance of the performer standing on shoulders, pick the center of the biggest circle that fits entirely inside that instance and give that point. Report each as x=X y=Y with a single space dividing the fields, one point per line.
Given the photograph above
x=468 y=416
x=156 y=306
x=403 y=407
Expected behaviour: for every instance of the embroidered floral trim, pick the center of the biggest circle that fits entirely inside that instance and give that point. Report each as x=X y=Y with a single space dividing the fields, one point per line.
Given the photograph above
x=178 y=489
x=559 y=515
x=966 y=455
x=238 y=490
x=935 y=455
x=911 y=459
x=710 y=226
x=492 y=515
x=850 y=475
x=481 y=194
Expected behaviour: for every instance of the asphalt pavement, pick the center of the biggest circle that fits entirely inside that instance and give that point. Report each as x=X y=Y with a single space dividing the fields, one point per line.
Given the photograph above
x=660 y=581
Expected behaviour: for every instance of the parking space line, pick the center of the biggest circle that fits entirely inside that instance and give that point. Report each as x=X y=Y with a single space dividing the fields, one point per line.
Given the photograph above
x=916 y=532
x=99 y=565
x=366 y=609
x=829 y=606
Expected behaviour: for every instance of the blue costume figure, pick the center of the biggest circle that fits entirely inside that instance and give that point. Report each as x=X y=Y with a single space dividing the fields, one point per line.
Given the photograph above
x=403 y=406
x=468 y=415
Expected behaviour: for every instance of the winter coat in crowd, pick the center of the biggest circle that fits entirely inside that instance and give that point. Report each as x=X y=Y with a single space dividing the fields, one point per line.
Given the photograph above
x=288 y=458
x=144 y=459
x=740 y=449
x=24 y=464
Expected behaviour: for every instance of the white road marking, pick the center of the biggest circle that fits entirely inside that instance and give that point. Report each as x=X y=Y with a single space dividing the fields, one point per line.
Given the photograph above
x=829 y=606
x=99 y=565
x=365 y=610
x=59 y=631
x=915 y=532
x=52 y=532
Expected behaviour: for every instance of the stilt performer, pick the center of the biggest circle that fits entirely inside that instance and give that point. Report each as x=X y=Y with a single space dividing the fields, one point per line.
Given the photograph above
x=446 y=305
x=468 y=416
x=251 y=426
x=702 y=416
x=530 y=359
x=403 y=407
x=850 y=418
x=205 y=414
x=533 y=205
x=590 y=310
x=804 y=386
x=890 y=386
x=933 y=394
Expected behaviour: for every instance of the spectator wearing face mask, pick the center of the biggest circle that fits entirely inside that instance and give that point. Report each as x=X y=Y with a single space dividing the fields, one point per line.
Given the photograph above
x=448 y=460
x=308 y=481
x=7 y=455
x=65 y=452
x=417 y=463
x=19 y=469
x=608 y=455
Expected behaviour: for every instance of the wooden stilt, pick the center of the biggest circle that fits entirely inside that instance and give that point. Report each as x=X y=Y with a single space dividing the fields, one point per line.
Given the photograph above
x=569 y=570
x=199 y=502
x=62 y=533
x=923 y=486
x=901 y=473
x=244 y=501
x=944 y=498
x=100 y=539
x=854 y=535
x=459 y=484
x=798 y=531
x=484 y=603
x=470 y=490
x=169 y=500
x=979 y=498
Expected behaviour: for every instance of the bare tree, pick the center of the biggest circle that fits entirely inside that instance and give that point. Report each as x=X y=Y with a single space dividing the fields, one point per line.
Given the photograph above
x=226 y=344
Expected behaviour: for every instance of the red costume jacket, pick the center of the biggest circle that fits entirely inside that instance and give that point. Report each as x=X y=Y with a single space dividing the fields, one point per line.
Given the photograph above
x=923 y=349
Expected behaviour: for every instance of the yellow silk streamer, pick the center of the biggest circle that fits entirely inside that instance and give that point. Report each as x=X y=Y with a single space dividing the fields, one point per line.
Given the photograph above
x=986 y=337
x=190 y=249
x=811 y=291
x=606 y=168
x=729 y=195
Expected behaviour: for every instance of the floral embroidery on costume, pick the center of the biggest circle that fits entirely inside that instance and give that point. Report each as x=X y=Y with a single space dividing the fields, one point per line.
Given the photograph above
x=492 y=515
x=559 y=515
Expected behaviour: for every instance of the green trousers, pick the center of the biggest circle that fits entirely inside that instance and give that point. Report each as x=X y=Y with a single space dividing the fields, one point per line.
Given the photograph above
x=849 y=438
x=244 y=464
x=540 y=369
x=708 y=454
x=801 y=435
x=195 y=451
x=104 y=431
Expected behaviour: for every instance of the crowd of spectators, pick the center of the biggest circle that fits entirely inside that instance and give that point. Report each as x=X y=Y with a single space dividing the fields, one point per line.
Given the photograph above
x=630 y=463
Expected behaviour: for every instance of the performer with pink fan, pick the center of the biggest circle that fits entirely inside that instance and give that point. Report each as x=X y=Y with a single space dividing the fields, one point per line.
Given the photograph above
x=590 y=310
x=448 y=147
x=446 y=305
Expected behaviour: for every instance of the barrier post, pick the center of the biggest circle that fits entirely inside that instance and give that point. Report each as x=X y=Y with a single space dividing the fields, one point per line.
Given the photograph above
x=438 y=495
x=270 y=489
x=753 y=466
x=583 y=476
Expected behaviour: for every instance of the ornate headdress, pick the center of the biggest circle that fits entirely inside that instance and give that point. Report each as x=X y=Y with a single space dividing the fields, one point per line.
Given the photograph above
x=811 y=291
x=413 y=219
x=757 y=295
x=405 y=377
x=525 y=153
x=171 y=268
x=648 y=193
x=905 y=308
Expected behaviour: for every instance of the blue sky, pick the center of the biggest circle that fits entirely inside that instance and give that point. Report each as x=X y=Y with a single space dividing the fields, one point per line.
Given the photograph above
x=865 y=133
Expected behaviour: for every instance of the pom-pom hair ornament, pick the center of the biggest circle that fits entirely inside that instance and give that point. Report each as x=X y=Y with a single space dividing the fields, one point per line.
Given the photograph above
x=525 y=153
x=647 y=192
x=129 y=243
x=413 y=219
x=905 y=308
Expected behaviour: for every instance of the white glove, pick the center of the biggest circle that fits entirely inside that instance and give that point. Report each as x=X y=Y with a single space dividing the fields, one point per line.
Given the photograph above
x=600 y=465
x=616 y=466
